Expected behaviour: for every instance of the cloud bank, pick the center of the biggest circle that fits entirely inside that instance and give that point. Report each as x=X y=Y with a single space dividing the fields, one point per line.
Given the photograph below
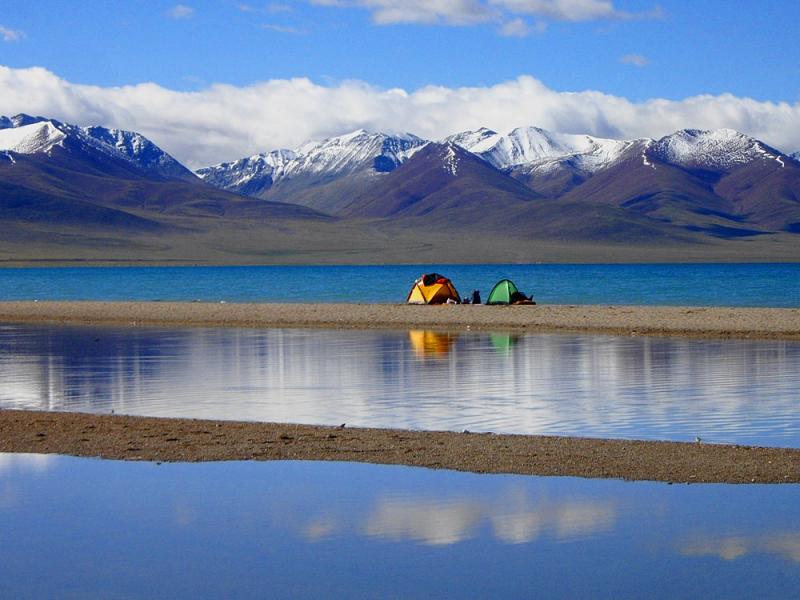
x=224 y=122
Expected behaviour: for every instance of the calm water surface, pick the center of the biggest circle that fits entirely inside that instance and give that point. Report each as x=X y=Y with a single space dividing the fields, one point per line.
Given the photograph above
x=669 y=284
x=82 y=528
x=600 y=386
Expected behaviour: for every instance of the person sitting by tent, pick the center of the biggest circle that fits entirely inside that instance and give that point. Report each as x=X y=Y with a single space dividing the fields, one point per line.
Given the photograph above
x=505 y=292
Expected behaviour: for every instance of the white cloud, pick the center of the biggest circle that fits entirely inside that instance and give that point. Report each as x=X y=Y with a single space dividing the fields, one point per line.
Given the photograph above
x=11 y=35
x=283 y=29
x=471 y=12
x=389 y=12
x=224 y=122
x=271 y=9
x=181 y=11
x=515 y=28
x=637 y=60
x=571 y=10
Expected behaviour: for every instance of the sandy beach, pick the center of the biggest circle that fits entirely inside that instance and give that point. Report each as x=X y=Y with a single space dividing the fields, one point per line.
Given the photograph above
x=151 y=439
x=715 y=322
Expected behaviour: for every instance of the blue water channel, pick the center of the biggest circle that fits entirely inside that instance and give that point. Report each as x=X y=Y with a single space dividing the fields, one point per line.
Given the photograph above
x=85 y=528
x=776 y=285
x=734 y=391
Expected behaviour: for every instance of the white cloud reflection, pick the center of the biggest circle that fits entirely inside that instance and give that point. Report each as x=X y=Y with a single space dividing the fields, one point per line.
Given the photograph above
x=734 y=547
x=513 y=518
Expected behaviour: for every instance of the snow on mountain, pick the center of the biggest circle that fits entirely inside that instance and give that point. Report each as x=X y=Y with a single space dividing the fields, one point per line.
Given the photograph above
x=248 y=175
x=356 y=152
x=470 y=139
x=525 y=152
x=795 y=155
x=342 y=155
x=536 y=149
x=722 y=149
x=23 y=134
x=31 y=139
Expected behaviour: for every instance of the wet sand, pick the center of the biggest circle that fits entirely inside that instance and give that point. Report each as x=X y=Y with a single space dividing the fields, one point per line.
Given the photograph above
x=716 y=322
x=188 y=440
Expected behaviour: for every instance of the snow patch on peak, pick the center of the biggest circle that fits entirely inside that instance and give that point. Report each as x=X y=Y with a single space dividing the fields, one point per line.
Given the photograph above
x=713 y=149
x=470 y=139
x=356 y=151
x=450 y=160
x=537 y=149
x=24 y=134
x=248 y=175
x=38 y=137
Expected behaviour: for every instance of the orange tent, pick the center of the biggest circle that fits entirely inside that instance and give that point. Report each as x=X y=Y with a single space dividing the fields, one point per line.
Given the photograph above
x=433 y=288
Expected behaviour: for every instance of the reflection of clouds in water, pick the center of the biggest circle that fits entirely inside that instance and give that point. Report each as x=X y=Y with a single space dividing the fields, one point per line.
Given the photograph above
x=26 y=463
x=320 y=529
x=576 y=520
x=785 y=545
x=514 y=520
x=185 y=515
x=431 y=523
x=517 y=528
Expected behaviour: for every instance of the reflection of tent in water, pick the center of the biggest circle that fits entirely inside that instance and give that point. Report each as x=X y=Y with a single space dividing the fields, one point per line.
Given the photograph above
x=432 y=288
x=505 y=292
x=431 y=343
x=503 y=342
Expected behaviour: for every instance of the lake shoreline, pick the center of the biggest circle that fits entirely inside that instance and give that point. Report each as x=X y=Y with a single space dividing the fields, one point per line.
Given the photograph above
x=120 y=437
x=698 y=322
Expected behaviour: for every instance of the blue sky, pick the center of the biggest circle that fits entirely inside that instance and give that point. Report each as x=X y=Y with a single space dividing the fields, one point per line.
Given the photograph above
x=639 y=51
x=742 y=47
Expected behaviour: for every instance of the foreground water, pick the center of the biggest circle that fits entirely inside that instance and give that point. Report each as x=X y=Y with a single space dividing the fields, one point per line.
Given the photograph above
x=736 y=391
x=776 y=285
x=80 y=528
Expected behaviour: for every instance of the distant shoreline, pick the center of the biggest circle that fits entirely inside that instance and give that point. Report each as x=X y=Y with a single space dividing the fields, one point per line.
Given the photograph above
x=700 y=322
x=188 y=440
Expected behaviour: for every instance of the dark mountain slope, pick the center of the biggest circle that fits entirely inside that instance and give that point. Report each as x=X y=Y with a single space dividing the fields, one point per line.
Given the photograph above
x=441 y=182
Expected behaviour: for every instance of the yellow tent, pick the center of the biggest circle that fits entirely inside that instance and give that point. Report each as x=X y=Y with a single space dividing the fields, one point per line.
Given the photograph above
x=433 y=288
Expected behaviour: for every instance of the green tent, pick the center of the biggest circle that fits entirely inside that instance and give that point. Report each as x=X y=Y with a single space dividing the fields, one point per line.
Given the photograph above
x=501 y=292
x=505 y=292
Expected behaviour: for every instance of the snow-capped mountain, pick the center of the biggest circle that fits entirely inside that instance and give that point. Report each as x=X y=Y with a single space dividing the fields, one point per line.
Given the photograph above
x=26 y=135
x=359 y=152
x=720 y=149
x=536 y=149
x=250 y=176
x=795 y=155
x=707 y=181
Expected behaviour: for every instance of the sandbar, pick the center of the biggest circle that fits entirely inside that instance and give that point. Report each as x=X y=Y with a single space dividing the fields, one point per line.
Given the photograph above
x=189 y=440
x=714 y=322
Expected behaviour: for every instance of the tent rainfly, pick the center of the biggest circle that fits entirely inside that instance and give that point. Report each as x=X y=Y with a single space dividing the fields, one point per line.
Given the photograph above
x=433 y=288
x=505 y=292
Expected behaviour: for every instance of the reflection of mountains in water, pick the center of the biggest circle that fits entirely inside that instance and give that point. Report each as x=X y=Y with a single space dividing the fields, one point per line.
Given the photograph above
x=591 y=385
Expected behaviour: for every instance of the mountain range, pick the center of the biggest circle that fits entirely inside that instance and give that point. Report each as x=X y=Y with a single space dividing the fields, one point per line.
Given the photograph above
x=721 y=183
x=62 y=185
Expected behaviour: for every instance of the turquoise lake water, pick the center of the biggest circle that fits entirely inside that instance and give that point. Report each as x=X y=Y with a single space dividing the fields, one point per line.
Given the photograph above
x=776 y=285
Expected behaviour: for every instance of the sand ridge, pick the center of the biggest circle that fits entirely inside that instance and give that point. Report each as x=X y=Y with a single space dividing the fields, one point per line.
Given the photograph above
x=189 y=440
x=715 y=322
